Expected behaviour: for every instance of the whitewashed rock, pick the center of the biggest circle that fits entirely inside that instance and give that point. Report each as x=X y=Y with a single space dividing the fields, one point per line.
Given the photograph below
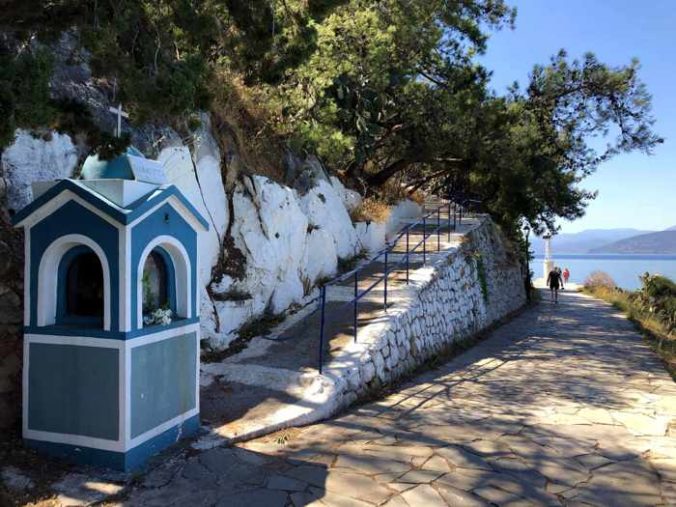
x=368 y=371
x=319 y=257
x=404 y=210
x=29 y=159
x=270 y=229
x=354 y=381
x=202 y=186
x=371 y=235
x=324 y=208
x=351 y=199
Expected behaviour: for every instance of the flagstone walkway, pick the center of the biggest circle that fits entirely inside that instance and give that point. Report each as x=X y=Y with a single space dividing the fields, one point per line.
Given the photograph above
x=564 y=405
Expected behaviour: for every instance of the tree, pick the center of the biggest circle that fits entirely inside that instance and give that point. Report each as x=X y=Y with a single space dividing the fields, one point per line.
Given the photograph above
x=365 y=90
x=380 y=90
x=551 y=135
x=392 y=91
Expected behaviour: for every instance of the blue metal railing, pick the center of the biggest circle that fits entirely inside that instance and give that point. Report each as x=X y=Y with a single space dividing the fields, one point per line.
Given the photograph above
x=454 y=209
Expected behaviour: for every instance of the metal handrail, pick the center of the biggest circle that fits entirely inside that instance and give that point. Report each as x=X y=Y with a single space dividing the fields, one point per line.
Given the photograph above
x=385 y=252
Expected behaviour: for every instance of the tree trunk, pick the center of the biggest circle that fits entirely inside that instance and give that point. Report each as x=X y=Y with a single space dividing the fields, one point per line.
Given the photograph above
x=378 y=179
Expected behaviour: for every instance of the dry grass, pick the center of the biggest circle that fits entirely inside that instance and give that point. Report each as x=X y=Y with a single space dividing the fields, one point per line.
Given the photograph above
x=417 y=197
x=244 y=127
x=599 y=279
x=393 y=192
x=371 y=210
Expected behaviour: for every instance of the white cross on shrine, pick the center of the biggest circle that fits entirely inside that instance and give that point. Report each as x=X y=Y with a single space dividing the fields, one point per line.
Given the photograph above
x=120 y=114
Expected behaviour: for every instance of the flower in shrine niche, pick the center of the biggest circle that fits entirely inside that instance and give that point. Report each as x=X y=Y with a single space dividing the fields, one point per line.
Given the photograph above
x=161 y=317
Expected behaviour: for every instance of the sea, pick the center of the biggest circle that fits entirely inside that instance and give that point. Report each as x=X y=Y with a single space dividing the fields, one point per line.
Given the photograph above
x=625 y=269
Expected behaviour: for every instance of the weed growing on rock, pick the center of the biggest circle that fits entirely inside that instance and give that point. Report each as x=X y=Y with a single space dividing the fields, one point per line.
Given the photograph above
x=477 y=258
x=349 y=263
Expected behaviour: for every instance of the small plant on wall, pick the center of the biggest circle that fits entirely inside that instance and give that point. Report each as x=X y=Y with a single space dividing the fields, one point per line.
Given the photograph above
x=480 y=272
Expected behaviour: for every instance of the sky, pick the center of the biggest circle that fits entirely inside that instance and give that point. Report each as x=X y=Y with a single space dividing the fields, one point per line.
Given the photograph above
x=635 y=190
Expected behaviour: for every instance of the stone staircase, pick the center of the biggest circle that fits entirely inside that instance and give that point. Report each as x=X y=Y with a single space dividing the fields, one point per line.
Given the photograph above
x=274 y=383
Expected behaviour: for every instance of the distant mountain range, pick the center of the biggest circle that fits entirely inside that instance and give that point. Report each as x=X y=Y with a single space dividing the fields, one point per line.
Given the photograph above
x=597 y=241
x=662 y=242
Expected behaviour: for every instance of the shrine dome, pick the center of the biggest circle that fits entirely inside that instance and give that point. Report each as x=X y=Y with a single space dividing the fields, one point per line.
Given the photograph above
x=119 y=168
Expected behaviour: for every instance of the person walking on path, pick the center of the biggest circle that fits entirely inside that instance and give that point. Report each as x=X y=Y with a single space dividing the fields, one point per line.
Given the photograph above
x=566 y=275
x=554 y=282
x=558 y=270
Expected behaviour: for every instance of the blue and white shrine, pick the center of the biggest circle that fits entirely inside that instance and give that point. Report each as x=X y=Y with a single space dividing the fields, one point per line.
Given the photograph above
x=111 y=347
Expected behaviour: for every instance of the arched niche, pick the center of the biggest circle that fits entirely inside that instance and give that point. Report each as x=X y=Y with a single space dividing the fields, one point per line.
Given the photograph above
x=80 y=291
x=166 y=253
x=65 y=282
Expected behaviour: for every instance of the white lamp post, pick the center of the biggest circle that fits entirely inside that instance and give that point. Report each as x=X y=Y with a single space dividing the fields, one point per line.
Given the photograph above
x=548 y=263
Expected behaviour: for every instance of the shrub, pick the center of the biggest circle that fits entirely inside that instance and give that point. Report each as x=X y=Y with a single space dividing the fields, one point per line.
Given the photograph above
x=393 y=192
x=657 y=297
x=417 y=197
x=371 y=210
x=599 y=279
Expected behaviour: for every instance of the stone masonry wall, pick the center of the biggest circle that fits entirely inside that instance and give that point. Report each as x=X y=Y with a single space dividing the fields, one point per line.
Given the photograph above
x=462 y=292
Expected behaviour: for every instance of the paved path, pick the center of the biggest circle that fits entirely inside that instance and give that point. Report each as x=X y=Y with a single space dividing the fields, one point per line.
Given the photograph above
x=563 y=406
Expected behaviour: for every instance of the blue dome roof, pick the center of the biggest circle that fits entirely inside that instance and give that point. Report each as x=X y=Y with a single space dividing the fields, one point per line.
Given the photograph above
x=119 y=168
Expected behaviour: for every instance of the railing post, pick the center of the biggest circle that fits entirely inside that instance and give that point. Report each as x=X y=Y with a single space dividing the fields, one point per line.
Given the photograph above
x=385 y=280
x=439 y=229
x=322 y=302
x=424 y=239
x=449 y=221
x=455 y=215
x=408 y=254
x=356 y=303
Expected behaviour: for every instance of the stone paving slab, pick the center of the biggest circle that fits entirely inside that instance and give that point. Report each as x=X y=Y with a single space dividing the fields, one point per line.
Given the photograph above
x=543 y=412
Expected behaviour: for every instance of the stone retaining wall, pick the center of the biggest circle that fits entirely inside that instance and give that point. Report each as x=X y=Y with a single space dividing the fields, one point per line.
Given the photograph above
x=460 y=293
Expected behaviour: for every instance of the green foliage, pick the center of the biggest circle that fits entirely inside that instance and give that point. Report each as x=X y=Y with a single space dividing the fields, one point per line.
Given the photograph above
x=379 y=90
x=478 y=260
x=657 y=297
x=349 y=263
x=24 y=93
x=369 y=90
x=654 y=302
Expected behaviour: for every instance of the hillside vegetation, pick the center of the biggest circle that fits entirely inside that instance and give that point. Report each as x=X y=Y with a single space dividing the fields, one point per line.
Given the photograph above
x=383 y=92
